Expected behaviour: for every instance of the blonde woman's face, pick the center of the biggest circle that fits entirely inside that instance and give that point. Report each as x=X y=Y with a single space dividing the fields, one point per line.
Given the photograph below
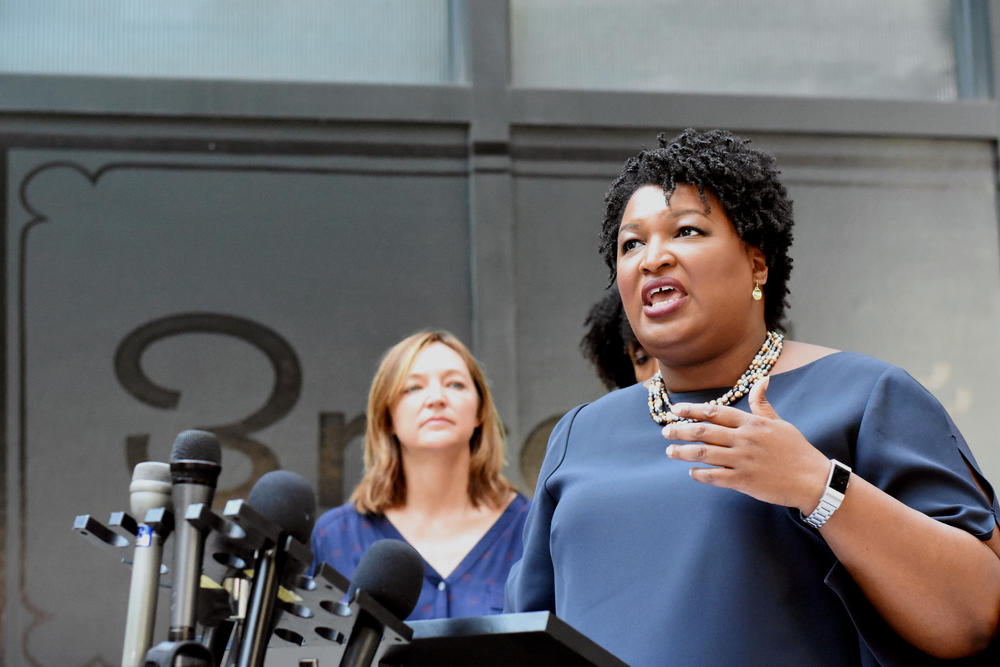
x=438 y=407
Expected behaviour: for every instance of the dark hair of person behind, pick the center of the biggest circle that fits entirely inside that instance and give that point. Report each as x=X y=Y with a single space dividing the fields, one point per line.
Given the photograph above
x=744 y=179
x=607 y=340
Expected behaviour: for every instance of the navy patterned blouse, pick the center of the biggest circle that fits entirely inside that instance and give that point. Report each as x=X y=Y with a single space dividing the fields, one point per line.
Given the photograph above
x=475 y=588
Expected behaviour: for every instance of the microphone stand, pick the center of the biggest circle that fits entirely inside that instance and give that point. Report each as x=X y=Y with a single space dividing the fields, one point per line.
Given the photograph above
x=314 y=617
x=187 y=652
x=165 y=654
x=276 y=557
x=257 y=630
x=146 y=568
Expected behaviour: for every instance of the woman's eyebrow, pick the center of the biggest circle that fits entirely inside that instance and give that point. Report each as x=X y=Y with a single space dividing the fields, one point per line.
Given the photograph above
x=687 y=211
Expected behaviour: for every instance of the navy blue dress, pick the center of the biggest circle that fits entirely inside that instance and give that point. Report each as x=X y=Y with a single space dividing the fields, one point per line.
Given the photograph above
x=662 y=570
x=475 y=588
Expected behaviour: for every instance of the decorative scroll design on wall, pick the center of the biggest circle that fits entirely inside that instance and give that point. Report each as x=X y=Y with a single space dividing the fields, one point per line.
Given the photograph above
x=37 y=615
x=236 y=435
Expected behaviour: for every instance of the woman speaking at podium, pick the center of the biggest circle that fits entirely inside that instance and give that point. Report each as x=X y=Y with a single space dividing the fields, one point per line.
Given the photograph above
x=759 y=501
x=434 y=450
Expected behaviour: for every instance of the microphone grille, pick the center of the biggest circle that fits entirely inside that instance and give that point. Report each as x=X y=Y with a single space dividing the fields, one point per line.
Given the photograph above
x=150 y=487
x=151 y=471
x=285 y=498
x=392 y=572
x=196 y=445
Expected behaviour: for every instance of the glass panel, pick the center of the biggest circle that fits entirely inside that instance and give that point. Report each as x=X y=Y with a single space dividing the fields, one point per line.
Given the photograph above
x=385 y=41
x=850 y=48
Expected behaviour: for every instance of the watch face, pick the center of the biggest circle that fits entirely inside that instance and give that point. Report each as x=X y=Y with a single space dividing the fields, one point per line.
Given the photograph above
x=840 y=477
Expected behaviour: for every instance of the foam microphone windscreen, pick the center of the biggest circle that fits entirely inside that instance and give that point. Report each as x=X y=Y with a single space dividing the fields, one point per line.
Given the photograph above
x=151 y=471
x=392 y=572
x=195 y=445
x=286 y=499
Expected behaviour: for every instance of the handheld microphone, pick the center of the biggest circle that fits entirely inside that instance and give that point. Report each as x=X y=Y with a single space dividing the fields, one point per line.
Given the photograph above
x=289 y=503
x=150 y=489
x=195 y=463
x=392 y=573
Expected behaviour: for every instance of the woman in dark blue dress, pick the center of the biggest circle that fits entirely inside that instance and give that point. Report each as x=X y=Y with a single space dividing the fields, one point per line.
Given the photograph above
x=811 y=507
x=434 y=450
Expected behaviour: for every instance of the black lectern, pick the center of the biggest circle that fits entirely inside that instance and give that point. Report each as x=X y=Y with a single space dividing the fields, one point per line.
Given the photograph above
x=531 y=639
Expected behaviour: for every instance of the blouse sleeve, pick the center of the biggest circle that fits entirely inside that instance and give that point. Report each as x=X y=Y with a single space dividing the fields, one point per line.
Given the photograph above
x=317 y=546
x=908 y=446
x=336 y=539
x=531 y=583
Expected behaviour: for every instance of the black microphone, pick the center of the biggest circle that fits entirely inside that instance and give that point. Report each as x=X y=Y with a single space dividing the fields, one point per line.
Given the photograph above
x=392 y=573
x=286 y=500
x=150 y=489
x=195 y=463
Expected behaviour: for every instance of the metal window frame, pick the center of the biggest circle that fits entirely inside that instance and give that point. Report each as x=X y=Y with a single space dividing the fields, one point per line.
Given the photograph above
x=483 y=100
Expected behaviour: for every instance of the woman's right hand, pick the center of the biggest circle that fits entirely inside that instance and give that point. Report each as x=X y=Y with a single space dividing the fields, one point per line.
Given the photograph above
x=756 y=453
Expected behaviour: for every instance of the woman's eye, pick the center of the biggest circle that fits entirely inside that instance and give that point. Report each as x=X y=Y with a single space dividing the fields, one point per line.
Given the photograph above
x=456 y=384
x=688 y=231
x=629 y=244
x=411 y=388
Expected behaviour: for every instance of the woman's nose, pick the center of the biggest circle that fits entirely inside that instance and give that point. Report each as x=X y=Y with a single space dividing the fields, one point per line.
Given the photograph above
x=434 y=394
x=657 y=255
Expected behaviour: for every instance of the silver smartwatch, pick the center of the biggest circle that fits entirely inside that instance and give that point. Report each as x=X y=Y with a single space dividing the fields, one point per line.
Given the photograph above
x=833 y=494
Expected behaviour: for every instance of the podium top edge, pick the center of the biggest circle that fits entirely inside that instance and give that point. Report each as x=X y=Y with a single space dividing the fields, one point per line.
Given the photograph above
x=538 y=622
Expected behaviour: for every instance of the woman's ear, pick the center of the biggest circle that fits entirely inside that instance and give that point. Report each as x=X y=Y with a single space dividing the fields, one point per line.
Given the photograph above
x=758 y=264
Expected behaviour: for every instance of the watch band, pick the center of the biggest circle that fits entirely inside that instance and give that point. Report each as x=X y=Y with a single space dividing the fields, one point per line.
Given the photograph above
x=833 y=494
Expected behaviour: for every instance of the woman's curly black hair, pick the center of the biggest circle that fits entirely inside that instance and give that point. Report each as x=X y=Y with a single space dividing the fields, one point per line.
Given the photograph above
x=607 y=341
x=744 y=179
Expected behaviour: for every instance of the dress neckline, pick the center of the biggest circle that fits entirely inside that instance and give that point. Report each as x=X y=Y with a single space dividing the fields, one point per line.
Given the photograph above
x=707 y=394
x=474 y=554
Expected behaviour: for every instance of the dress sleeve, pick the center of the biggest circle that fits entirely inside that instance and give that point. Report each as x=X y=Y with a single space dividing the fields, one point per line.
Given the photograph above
x=531 y=583
x=908 y=446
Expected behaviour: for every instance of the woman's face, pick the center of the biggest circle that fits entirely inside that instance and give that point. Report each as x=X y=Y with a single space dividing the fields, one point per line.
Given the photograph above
x=685 y=276
x=643 y=364
x=438 y=407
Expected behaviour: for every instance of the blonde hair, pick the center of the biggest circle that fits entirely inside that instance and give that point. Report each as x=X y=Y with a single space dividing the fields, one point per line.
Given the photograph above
x=383 y=485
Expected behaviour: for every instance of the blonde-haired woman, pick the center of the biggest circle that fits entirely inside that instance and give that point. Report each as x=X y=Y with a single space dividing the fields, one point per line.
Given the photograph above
x=434 y=450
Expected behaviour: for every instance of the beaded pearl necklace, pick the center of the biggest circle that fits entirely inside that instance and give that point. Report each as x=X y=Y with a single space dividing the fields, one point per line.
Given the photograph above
x=660 y=408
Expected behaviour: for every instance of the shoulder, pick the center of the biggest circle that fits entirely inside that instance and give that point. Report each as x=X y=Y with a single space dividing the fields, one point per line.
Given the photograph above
x=612 y=402
x=808 y=360
x=795 y=354
x=339 y=518
x=513 y=515
x=586 y=417
x=520 y=503
x=616 y=410
x=607 y=419
x=850 y=380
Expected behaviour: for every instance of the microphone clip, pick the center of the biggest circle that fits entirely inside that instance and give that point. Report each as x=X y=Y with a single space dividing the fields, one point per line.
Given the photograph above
x=122 y=529
x=179 y=654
